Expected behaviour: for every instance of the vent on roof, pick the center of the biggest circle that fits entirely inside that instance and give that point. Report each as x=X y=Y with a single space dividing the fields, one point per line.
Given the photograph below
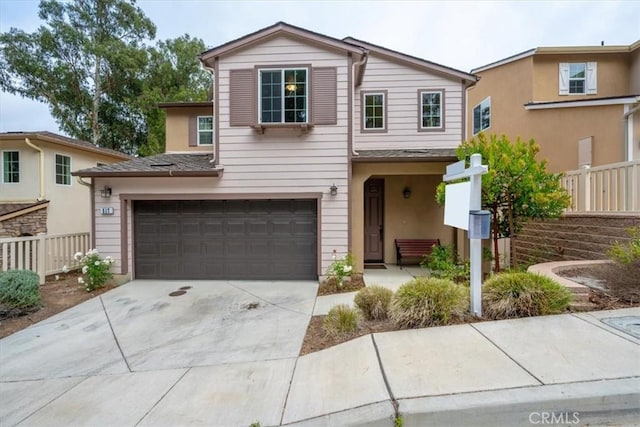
x=162 y=165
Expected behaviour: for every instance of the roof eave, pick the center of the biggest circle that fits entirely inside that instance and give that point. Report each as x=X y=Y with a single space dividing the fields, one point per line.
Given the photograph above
x=54 y=140
x=273 y=30
x=148 y=174
x=422 y=63
x=432 y=159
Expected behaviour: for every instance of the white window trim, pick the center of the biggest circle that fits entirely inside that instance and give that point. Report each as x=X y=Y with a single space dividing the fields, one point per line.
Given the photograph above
x=2 y=167
x=590 y=79
x=364 y=111
x=441 y=92
x=55 y=174
x=583 y=79
x=306 y=94
x=473 y=116
x=213 y=126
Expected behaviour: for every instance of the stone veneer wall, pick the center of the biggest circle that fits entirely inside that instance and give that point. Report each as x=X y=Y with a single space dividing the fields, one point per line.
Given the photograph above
x=32 y=223
x=572 y=237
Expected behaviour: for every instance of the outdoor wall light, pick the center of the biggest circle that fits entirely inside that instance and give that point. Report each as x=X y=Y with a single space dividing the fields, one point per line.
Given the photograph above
x=334 y=190
x=105 y=193
x=406 y=193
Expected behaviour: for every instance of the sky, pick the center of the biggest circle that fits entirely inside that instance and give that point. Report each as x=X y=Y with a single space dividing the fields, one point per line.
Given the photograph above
x=459 y=34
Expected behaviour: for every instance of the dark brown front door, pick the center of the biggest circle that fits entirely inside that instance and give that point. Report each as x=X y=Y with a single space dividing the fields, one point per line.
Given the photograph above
x=373 y=220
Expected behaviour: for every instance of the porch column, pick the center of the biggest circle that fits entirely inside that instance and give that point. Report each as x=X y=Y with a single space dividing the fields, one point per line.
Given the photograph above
x=357 y=219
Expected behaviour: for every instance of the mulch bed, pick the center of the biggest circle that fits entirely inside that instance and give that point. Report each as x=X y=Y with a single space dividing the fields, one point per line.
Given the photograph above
x=330 y=286
x=624 y=295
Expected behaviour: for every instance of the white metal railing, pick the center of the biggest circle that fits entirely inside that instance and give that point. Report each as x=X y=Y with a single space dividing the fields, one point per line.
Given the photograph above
x=609 y=188
x=43 y=254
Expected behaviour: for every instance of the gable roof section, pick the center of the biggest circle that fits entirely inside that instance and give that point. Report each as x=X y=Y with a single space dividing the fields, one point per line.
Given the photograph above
x=161 y=165
x=277 y=29
x=54 y=138
x=560 y=50
x=403 y=58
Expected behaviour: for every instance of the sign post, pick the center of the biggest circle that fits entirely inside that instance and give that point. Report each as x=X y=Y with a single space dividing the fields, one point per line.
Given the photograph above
x=475 y=171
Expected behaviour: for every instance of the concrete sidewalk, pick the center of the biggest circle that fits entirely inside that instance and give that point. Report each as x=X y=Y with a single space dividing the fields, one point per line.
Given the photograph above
x=90 y=367
x=484 y=374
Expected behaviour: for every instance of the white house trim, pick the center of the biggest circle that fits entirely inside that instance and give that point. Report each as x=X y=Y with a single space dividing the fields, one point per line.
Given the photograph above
x=581 y=103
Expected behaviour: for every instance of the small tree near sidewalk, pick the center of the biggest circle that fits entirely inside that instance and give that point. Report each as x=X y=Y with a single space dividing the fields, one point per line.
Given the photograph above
x=517 y=187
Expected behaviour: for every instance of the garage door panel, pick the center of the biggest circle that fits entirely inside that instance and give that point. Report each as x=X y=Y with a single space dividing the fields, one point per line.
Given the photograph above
x=225 y=239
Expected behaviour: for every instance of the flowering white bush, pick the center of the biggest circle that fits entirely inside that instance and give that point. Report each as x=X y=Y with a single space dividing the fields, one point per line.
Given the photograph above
x=96 y=271
x=341 y=268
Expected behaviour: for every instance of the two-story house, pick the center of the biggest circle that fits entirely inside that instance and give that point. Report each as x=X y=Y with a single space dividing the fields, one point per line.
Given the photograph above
x=312 y=147
x=580 y=104
x=37 y=191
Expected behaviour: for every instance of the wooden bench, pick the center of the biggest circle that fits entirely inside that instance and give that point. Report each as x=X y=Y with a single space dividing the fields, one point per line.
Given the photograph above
x=413 y=248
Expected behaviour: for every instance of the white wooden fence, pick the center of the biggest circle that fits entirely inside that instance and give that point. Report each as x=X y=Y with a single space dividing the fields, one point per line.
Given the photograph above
x=43 y=254
x=609 y=188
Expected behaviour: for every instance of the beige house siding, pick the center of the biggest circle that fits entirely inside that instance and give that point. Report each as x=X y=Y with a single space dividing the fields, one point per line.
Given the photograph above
x=612 y=71
x=288 y=160
x=510 y=88
x=401 y=84
x=556 y=130
x=634 y=72
x=177 y=129
x=70 y=207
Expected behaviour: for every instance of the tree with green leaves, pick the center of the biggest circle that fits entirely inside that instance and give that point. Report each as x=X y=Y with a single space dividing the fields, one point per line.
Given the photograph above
x=86 y=63
x=173 y=74
x=516 y=188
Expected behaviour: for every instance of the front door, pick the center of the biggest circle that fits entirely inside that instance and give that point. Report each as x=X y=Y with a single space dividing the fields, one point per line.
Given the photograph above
x=373 y=220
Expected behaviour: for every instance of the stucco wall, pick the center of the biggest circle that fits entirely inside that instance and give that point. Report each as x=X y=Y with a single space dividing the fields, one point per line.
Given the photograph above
x=177 y=129
x=510 y=88
x=612 y=71
x=69 y=210
x=556 y=130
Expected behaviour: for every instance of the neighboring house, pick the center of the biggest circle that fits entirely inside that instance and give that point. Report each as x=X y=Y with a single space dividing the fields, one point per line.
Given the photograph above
x=580 y=104
x=37 y=192
x=312 y=147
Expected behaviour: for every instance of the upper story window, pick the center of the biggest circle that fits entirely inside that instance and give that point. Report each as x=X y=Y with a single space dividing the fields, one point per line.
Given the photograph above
x=482 y=116
x=63 y=169
x=578 y=78
x=11 y=167
x=374 y=111
x=431 y=109
x=283 y=95
x=205 y=130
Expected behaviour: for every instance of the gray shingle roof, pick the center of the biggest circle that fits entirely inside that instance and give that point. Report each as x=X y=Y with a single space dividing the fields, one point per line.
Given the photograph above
x=158 y=165
x=54 y=137
x=426 y=154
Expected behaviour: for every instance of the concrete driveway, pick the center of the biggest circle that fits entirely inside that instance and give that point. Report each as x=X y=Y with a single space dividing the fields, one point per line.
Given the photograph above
x=139 y=355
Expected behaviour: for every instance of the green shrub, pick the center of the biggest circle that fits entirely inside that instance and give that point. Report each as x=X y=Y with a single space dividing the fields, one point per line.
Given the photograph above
x=509 y=295
x=443 y=262
x=340 y=268
x=96 y=270
x=341 y=319
x=20 y=289
x=428 y=302
x=626 y=253
x=374 y=302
